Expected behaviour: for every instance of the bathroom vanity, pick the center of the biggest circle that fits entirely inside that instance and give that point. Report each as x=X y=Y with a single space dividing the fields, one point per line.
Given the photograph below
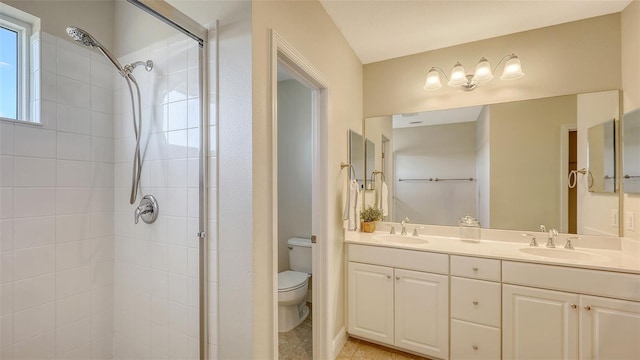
x=446 y=298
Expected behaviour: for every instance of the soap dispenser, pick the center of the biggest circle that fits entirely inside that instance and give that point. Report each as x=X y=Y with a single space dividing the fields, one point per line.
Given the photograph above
x=469 y=228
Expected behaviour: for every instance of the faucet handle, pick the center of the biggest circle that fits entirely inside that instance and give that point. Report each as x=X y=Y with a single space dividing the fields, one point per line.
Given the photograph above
x=393 y=230
x=568 y=245
x=405 y=221
x=543 y=228
x=533 y=240
x=415 y=232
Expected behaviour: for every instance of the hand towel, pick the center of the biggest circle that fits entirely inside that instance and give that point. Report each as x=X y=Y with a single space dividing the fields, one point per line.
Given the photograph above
x=384 y=199
x=357 y=208
x=350 y=206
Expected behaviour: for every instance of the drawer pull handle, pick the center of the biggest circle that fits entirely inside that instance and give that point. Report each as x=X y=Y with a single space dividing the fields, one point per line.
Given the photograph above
x=475 y=347
x=574 y=306
x=588 y=308
x=475 y=302
x=475 y=268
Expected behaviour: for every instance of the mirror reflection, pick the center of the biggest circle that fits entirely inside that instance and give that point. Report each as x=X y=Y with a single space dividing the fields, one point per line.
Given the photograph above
x=356 y=156
x=601 y=157
x=506 y=164
x=631 y=151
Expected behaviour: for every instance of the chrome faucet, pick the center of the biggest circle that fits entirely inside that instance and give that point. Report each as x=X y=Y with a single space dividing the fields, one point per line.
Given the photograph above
x=533 y=239
x=552 y=233
x=568 y=245
x=142 y=209
x=404 y=226
x=393 y=230
x=415 y=232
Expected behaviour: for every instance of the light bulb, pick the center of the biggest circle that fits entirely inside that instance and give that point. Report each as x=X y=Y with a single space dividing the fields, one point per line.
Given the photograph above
x=458 y=75
x=433 y=80
x=512 y=69
x=483 y=71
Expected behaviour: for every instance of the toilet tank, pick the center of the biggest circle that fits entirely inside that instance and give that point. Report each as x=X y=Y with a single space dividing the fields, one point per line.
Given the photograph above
x=300 y=254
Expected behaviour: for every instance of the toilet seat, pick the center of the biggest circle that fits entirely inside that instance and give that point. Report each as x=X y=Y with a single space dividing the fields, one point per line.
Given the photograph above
x=291 y=280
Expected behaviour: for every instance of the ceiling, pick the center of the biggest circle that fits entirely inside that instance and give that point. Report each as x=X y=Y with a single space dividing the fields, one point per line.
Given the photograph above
x=384 y=29
x=437 y=117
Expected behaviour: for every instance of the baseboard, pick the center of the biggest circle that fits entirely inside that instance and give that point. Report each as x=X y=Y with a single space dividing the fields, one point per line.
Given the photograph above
x=339 y=341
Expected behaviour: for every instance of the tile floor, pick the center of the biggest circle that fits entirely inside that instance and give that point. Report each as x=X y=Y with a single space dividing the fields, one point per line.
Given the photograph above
x=361 y=350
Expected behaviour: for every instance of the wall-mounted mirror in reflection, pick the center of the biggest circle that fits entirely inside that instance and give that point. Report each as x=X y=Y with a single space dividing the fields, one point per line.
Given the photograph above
x=601 y=157
x=356 y=156
x=631 y=152
x=370 y=163
x=506 y=164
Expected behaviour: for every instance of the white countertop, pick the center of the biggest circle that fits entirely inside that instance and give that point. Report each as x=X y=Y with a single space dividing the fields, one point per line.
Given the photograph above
x=609 y=257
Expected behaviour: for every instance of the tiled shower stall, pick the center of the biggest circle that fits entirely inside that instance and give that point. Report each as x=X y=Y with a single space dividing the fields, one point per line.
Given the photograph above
x=78 y=278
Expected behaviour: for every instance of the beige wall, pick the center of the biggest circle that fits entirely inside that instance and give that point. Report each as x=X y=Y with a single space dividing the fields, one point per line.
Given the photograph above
x=94 y=16
x=631 y=91
x=577 y=57
x=307 y=27
x=525 y=166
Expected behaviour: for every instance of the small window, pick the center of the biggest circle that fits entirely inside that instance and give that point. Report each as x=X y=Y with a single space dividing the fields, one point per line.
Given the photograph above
x=15 y=68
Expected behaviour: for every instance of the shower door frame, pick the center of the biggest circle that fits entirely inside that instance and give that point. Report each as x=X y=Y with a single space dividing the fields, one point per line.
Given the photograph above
x=173 y=17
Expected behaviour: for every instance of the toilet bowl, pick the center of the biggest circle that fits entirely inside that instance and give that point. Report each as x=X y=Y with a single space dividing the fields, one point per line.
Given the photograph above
x=292 y=296
x=293 y=285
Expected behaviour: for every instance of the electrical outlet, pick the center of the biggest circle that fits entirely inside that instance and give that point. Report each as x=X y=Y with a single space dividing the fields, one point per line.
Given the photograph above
x=629 y=221
x=614 y=217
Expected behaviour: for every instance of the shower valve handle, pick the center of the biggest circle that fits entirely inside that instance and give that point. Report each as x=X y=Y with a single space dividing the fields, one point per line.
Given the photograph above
x=148 y=210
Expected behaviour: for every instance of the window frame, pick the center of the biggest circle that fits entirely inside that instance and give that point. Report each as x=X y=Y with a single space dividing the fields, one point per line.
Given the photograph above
x=24 y=100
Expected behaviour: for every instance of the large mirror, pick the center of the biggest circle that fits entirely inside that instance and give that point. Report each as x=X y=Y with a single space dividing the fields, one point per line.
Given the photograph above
x=506 y=164
x=356 y=157
x=601 y=157
x=631 y=151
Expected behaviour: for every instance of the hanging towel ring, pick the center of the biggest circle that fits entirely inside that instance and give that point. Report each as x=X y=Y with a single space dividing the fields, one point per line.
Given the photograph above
x=573 y=178
x=352 y=171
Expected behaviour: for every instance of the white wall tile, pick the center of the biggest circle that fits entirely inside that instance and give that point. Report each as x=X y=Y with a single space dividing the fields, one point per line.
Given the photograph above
x=73 y=200
x=193 y=143
x=158 y=256
x=159 y=341
x=102 y=74
x=73 y=308
x=102 y=225
x=101 y=99
x=48 y=57
x=177 y=173
x=74 y=146
x=159 y=285
x=178 y=345
x=6 y=203
x=101 y=326
x=177 y=231
x=33 y=321
x=33 y=262
x=193 y=113
x=6 y=171
x=31 y=202
x=102 y=274
x=176 y=204
x=177 y=115
x=34 y=172
x=74 y=281
x=35 y=142
x=73 y=119
x=178 y=288
x=73 y=254
x=6 y=300
x=32 y=232
x=102 y=174
x=193 y=202
x=7 y=138
x=177 y=86
x=193 y=83
x=102 y=149
x=73 y=173
x=72 y=227
x=48 y=114
x=6 y=267
x=6 y=331
x=38 y=347
x=33 y=292
x=178 y=318
x=48 y=86
x=102 y=124
x=193 y=262
x=102 y=199
x=73 y=336
x=177 y=55
x=177 y=259
x=72 y=92
x=73 y=65
x=80 y=353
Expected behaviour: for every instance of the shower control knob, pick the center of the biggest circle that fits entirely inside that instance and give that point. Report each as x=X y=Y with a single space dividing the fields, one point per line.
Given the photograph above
x=147 y=210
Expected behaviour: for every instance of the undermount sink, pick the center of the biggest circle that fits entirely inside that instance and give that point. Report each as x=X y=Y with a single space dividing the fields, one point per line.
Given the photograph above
x=564 y=254
x=400 y=239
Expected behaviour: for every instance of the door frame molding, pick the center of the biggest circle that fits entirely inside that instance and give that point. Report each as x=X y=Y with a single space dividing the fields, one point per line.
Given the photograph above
x=283 y=53
x=565 y=129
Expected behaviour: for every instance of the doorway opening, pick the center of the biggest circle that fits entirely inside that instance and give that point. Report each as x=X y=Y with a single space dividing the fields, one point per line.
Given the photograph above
x=572 y=165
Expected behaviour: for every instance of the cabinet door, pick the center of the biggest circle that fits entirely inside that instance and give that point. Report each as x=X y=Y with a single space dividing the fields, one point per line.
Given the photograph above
x=539 y=324
x=609 y=329
x=422 y=313
x=371 y=302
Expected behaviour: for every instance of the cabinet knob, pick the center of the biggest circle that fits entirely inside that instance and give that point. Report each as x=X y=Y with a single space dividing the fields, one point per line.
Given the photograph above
x=475 y=268
x=397 y=277
x=574 y=306
x=388 y=276
x=475 y=347
x=588 y=308
x=475 y=302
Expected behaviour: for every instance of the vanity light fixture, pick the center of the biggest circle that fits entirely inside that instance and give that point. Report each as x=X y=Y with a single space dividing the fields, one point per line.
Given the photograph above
x=459 y=78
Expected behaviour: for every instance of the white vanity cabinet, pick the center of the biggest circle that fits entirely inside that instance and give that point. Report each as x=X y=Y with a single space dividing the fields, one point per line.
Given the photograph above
x=551 y=324
x=475 y=308
x=393 y=300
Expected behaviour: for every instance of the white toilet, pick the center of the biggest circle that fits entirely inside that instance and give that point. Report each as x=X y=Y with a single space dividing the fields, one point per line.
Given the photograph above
x=293 y=285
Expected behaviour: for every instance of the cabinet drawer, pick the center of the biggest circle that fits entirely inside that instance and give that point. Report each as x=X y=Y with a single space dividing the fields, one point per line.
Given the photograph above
x=475 y=268
x=473 y=341
x=399 y=258
x=476 y=301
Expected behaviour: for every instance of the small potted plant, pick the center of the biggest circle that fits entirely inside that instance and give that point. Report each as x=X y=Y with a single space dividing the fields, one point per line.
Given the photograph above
x=368 y=218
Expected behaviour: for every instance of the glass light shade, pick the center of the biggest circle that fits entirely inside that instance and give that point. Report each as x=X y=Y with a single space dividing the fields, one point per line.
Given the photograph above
x=483 y=71
x=433 y=80
x=458 y=75
x=512 y=69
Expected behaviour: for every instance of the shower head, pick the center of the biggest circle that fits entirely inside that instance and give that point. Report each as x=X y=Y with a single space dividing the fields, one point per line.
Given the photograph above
x=82 y=36
x=86 y=39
